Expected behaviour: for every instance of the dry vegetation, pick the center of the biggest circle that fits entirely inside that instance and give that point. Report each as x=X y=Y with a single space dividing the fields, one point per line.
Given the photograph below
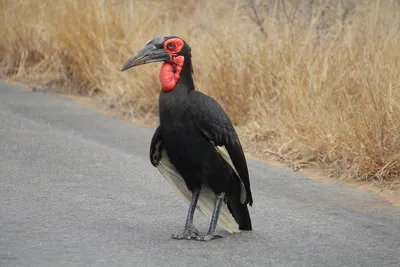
x=316 y=82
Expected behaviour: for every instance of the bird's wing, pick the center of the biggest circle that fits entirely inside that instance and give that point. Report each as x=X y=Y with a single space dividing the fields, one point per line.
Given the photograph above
x=205 y=204
x=156 y=147
x=214 y=123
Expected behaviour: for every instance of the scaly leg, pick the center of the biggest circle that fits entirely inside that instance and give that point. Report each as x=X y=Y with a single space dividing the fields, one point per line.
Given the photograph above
x=214 y=220
x=190 y=231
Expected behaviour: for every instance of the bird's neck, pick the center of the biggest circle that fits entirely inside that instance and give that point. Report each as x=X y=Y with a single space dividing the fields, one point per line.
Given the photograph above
x=177 y=73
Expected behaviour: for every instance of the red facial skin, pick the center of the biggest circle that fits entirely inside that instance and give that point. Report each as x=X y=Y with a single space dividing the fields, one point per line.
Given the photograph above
x=171 y=70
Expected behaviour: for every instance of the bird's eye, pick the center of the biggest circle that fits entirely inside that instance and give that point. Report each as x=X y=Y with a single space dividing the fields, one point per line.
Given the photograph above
x=171 y=46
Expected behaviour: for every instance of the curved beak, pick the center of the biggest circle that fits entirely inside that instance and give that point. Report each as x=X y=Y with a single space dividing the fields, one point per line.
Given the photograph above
x=149 y=53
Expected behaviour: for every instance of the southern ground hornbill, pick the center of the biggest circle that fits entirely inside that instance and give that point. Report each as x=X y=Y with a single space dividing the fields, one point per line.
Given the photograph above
x=195 y=147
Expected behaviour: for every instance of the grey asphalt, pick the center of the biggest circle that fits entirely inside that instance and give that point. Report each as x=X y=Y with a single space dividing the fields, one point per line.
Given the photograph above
x=77 y=189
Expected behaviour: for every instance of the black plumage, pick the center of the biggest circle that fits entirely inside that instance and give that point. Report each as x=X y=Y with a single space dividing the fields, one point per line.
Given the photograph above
x=192 y=125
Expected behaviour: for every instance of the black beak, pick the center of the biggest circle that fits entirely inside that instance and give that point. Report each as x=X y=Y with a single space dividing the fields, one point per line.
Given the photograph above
x=149 y=53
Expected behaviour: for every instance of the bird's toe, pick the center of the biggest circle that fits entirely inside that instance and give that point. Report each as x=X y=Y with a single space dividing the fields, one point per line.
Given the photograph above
x=189 y=233
x=208 y=237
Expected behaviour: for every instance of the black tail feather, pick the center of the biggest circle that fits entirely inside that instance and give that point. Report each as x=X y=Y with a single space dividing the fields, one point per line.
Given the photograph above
x=241 y=213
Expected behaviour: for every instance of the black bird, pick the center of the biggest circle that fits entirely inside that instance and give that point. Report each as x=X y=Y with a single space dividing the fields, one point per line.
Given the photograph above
x=196 y=147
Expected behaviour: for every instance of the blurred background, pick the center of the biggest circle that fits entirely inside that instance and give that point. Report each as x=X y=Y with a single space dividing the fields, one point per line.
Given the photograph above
x=310 y=82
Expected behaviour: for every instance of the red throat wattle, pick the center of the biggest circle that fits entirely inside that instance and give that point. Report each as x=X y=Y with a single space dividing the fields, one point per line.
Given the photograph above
x=170 y=72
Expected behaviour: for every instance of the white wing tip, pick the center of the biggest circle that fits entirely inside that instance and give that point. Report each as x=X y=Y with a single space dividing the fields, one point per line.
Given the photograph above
x=205 y=203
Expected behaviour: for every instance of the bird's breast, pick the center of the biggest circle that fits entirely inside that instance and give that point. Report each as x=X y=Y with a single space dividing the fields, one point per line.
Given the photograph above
x=182 y=139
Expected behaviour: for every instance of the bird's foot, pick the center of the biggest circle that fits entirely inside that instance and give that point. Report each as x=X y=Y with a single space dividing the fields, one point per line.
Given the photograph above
x=188 y=233
x=208 y=237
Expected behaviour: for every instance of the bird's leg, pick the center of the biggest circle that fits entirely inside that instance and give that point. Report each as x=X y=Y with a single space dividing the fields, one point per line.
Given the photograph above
x=190 y=231
x=214 y=220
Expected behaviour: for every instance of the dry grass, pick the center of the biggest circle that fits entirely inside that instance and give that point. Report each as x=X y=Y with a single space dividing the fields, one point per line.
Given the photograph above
x=314 y=81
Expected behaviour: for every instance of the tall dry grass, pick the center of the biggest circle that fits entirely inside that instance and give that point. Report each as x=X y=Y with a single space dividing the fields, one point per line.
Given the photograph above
x=315 y=81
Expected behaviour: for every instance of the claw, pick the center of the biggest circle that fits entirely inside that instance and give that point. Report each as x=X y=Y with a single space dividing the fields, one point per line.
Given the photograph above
x=188 y=233
x=208 y=237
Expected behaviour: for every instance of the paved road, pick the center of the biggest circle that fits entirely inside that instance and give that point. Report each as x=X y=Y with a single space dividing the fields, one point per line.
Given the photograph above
x=77 y=189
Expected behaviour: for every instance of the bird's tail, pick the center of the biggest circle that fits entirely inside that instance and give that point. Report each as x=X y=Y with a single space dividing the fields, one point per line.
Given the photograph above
x=240 y=212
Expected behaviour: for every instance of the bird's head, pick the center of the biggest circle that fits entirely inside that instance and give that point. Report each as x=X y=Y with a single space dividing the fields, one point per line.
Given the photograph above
x=174 y=52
